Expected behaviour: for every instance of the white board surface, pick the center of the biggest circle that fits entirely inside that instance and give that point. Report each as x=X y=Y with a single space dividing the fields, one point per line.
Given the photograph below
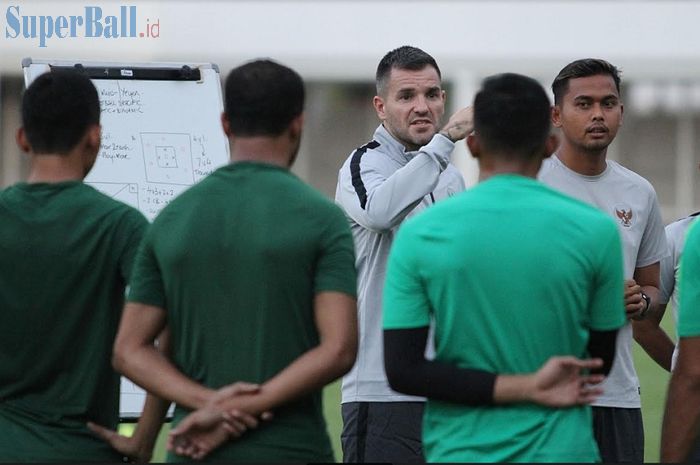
x=160 y=135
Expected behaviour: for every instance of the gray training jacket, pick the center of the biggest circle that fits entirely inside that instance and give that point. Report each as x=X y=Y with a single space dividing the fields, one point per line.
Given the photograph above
x=379 y=186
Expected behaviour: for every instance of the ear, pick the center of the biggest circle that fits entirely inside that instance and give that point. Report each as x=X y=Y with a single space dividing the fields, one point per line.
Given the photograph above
x=296 y=127
x=474 y=145
x=378 y=103
x=226 y=125
x=622 y=114
x=556 y=116
x=93 y=137
x=550 y=145
x=22 y=142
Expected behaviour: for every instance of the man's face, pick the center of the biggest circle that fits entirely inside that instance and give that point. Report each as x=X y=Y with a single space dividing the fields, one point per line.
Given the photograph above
x=412 y=106
x=590 y=112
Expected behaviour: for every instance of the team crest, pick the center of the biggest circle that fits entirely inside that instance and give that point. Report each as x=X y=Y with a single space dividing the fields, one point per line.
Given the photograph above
x=625 y=214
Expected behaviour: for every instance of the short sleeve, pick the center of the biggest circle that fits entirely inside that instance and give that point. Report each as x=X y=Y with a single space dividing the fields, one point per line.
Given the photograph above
x=405 y=302
x=689 y=285
x=653 y=246
x=147 y=285
x=335 y=265
x=667 y=281
x=131 y=231
x=607 y=309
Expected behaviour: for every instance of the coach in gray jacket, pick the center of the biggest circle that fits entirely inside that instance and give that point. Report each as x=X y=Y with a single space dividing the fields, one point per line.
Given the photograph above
x=404 y=169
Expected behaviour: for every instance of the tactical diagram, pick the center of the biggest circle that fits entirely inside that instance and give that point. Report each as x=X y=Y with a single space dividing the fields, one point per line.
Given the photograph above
x=167 y=157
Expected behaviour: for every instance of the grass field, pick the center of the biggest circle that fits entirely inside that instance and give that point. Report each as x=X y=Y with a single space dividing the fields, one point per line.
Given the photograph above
x=653 y=380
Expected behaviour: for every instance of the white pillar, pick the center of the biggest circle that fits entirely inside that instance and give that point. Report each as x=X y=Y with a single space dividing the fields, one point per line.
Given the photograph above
x=464 y=87
x=685 y=164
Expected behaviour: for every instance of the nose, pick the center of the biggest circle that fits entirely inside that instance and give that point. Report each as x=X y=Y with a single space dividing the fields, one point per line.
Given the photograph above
x=597 y=113
x=421 y=105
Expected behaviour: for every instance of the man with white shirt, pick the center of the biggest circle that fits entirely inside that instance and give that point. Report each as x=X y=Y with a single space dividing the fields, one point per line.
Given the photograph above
x=403 y=170
x=588 y=110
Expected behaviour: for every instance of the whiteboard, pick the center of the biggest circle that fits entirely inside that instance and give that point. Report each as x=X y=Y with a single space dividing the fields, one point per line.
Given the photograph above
x=161 y=133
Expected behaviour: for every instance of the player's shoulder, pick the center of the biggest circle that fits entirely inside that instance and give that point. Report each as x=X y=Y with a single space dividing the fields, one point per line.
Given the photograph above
x=679 y=226
x=372 y=152
x=631 y=177
x=589 y=216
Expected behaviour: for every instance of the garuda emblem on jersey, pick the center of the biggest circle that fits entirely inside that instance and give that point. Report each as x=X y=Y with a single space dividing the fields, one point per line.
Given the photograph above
x=624 y=214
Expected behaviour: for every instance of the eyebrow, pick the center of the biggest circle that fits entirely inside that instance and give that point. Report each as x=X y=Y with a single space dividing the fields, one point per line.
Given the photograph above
x=605 y=97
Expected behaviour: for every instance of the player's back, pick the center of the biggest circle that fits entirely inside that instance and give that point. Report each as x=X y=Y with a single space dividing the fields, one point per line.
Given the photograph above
x=511 y=271
x=66 y=256
x=242 y=256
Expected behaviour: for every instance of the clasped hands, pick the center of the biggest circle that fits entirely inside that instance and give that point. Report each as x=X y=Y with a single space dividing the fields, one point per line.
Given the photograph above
x=226 y=416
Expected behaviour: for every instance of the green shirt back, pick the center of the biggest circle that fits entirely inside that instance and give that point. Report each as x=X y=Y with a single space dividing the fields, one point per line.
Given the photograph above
x=512 y=273
x=689 y=285
x=67 y=252
x=236 y=261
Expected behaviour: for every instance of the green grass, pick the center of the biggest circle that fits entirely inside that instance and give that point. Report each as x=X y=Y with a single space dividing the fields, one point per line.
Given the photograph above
x=654 y=383
x=653 y=380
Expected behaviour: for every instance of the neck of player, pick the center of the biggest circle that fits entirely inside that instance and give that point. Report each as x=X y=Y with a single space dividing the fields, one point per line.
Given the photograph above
x=278 y=151
x=491 y=166
x=582 y=161
x=52 y=168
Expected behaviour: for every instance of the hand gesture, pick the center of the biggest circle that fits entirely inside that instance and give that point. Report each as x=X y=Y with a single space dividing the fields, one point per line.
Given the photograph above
x=459 y=125
x=125 y=445
x=561 y=383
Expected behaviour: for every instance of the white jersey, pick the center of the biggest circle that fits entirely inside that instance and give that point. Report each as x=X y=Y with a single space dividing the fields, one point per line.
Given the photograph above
x=631 y=201
x=668 y=291
x=379 y=186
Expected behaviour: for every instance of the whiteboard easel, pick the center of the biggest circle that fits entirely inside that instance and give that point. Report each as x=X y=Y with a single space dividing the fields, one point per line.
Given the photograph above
x=161 y=133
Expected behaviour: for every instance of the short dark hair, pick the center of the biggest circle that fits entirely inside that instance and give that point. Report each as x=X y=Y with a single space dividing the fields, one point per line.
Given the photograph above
x=583 y=68
x=57 y=110
x=262 y=98
x=512 y=115
x=404 y=57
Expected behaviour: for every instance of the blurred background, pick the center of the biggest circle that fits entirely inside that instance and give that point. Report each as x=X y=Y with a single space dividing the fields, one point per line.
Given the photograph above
x=335 y=45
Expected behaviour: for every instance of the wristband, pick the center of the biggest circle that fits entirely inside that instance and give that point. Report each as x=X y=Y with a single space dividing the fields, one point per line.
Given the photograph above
x=644 y=311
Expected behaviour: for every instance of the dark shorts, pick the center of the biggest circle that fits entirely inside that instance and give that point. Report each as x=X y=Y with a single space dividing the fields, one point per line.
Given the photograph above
x=382 y=432
x=619 y=433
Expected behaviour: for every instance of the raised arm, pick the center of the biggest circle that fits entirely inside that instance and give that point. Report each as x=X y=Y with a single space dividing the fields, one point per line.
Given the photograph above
x=379 y=198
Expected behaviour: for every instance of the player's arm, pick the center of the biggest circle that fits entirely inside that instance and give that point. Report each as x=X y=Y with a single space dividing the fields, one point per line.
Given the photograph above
x=682 y=416
x=646 y=317
x=601 y=345
x=681 y=423
x=137 y=358
x=335 y=315
x=559 y=382
x=139 y=446
x=379 y=200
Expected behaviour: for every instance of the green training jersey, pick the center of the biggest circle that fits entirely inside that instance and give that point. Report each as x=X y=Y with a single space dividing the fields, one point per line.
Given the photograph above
x=67 y=252
x=236 y=261
x=512 y=273
x=689 y=285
